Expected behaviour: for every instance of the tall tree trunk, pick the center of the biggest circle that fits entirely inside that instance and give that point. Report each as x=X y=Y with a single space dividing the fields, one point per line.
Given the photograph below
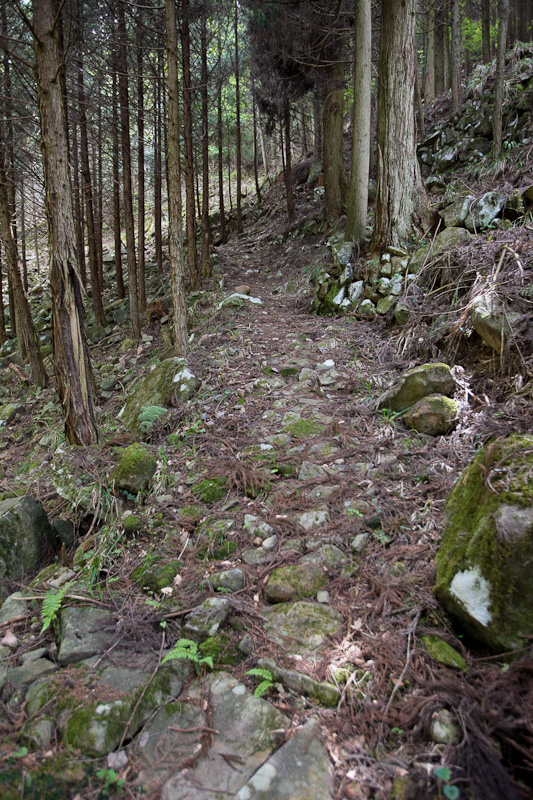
x=190 y=213
x=71 y=354
x=362 y=66
x=175 y=234
x=485 y=30
x=26 y=335
x=206 y=230
x=256 y=170
x=220 y=140
x=98 y=306
x=76 y=202
x=158 y=169
x=429 y=84
x=335 y=180
x=10 y=159
x=287 y=170
x=35 y=233
x=3 y=333
x=497 y=133
x=238 y=155
x=140 y=173
x=440 y=70
x=456 y=56
x=126 y=173
x=401 y=203
x=121 y=291
x=23 y=233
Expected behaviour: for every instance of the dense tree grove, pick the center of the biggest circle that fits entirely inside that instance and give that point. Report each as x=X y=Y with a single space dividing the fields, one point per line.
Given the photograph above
x=132 y=105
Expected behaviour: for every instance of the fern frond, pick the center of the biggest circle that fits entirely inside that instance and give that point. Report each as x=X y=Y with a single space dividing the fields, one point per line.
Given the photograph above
x=51 y=605
x=263 y=688
x=184 y=648
x=257 y=672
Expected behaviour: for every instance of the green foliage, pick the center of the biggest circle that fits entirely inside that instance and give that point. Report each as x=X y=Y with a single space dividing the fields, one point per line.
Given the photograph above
x=51 y=605
x=266 y=683
x=186 y=648
x=444 y=774
x=149 y=416
x=111 y=781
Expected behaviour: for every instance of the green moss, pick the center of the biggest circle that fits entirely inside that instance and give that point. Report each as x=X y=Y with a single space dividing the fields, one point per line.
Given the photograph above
x=211 y=490
x=135 y=468
x=303 y=428
x=154 y=578
x=132 y=523
x=443 y=652
x=192 y=513
x=287 y=372
x=221 y=649
x=471 y=538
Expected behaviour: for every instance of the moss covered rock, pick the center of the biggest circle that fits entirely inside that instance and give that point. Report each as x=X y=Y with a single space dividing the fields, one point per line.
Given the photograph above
x=417 y=383
x=211 y=490
x=484 y=559
x=294 y=582
x=25 y=532
x=135 y=469
x=171 y=378
x=434 y=415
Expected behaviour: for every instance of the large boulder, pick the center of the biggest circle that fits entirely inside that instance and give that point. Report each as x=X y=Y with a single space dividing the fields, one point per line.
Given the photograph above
x=24 y=534
x=434 y=415
x=484 y=211
x=485 y=556
x=445 y=241
x=170 y=379
x=417 y=383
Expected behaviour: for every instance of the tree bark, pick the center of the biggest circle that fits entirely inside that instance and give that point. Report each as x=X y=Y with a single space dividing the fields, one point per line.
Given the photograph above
x=140 y=174
x=87 y=189
x=26 y=335
x=485 y=30
x=335 y=180
x=238 y=154
x=361 y=111
x=401 y=203
x=121 y=291
x=456 y=56
x=206 y=230
x=175 y=233
x=71 y=355
x=158 y=178
x=497 y=120
x=220 y=141
x=287 y=168
x=429 y=84
x=190 y=212
x=126 y=174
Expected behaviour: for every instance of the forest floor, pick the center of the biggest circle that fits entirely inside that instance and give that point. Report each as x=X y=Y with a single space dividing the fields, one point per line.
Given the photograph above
x=355 y=472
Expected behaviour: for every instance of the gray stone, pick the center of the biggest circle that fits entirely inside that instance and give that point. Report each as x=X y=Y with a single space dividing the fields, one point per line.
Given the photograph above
x=206 y=619
x=326 y=556
x=39 y=733
x=25 y=532
x=299 y=770
x=170 y=378
x=309 y=471
x=232 y=579
x=491 y=320
x=270 y=543
x=454 y=215
x=302 y=627
x=367 y=309
x=416 y=383
x=29 y=672
x=246 y=726
x=14 y=606
x=434 y=415
x=84 y=632
x=9 y=412
x=257 y=527
x=294 y=582
x=444 y=728
x=358 y=542
x=326 y=693
x=313 y=519
x=64 y=531
x=484 y=211
x=257 y=557
x=237 y=300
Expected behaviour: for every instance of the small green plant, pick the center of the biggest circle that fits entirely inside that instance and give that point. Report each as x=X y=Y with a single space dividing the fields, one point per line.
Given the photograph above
x=186 y=648
x=267 y=680
x=111 y=781
x=443 y=775
x=51 y=606
x=354 y=512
